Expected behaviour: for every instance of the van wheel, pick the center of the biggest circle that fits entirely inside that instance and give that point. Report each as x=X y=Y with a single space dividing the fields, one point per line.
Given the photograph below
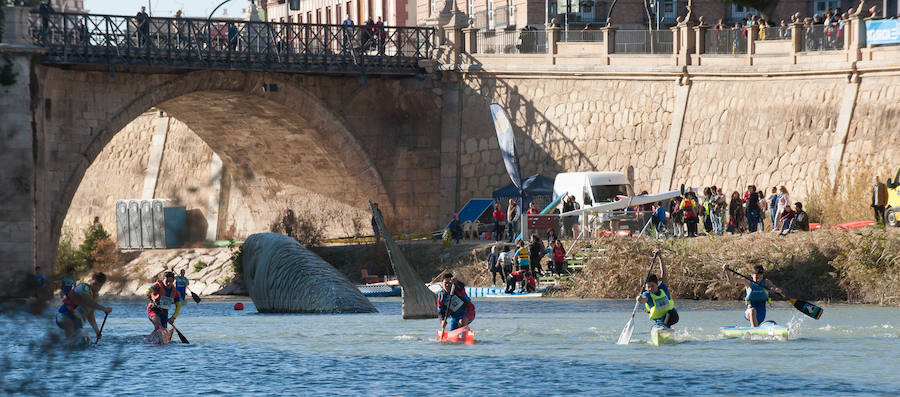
x=890 y=217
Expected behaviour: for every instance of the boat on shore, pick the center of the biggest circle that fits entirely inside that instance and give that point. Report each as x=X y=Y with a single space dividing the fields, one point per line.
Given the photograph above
x=767 y=328
x=377 y=290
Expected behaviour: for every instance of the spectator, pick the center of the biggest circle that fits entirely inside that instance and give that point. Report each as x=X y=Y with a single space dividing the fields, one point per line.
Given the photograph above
x=39 y=280
x=532 y=209
x=752 y=209
x=773 y=208
x=719 y=208
x=455 y=227
x=499 y=218
x=512 y=220
x=494 y=265
x=535 y=253
x=660 y=219
x=879 y=200
x=568 y=221
x=287 y=222
x=787 y=217
x=515 y=277
x=761 y=201
x=551 y=236
x=707 y=218
x=689 y=208
x=677 y=217
x=735 y=213
x=508 y=260
x=530 y=284
x=784 y=201
x=143 y=25
x=801 y=219
x=559 y=258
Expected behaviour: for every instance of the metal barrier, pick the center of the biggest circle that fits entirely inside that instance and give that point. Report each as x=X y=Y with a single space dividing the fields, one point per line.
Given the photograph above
x=822 y=38
x=595 y=36
x=644 y=41
x=216 y=44
x=774 y=33
x=725 y=41
x=512 y=42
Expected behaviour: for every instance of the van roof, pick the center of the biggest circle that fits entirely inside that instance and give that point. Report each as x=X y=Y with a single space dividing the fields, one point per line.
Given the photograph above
x=599 y=177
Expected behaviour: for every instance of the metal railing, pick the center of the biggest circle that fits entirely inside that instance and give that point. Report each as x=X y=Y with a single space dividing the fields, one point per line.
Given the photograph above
x=725 y=41
x=225 y=44
x=644 y=41
x=774 y=33
x=512 y=42
x=581 y=36
x=821 y=38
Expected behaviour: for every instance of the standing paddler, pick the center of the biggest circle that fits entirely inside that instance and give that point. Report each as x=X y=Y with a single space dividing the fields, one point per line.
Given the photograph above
x=162 y=296
x=757 y=293
x=453 y=303
x=657 y=300
x=79 y=305
x=181 y=283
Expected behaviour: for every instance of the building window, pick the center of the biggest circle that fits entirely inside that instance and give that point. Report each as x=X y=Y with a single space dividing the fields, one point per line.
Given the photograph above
x=739 y=12
x=432 y=7
x=328 y=15
x=822 y=5
x=511 y=8
x=490 y=14
x=669 y=10
x=471 y=9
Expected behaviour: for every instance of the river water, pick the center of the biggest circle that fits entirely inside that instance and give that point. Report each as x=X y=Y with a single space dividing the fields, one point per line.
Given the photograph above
x=524 y=347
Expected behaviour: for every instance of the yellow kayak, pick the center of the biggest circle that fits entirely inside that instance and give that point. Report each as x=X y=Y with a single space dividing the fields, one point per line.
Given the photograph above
x=767 y=328
x=661 y=335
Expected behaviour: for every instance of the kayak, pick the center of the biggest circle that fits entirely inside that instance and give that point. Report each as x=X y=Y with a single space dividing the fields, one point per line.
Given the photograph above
x=462 y=334
x=767 y=328
x=661 y=335
x=159 y=336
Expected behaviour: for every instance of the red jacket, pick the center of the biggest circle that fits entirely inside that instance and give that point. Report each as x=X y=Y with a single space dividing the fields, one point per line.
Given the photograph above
x=499 y=215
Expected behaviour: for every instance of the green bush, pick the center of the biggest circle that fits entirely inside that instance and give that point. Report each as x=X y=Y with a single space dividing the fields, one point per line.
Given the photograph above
x=237 y=261
x=200 y=265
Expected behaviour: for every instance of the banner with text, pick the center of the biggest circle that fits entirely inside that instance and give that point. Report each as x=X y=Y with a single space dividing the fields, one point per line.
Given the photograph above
x=883 y=31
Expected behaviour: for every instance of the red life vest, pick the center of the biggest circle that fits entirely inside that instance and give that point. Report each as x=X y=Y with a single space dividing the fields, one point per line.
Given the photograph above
x=161 y=300
x=73 y=300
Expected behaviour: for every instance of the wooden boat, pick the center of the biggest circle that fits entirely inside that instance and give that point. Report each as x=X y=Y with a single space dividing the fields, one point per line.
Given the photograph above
x=461 y=334
x=661 y=335
x=767 y=328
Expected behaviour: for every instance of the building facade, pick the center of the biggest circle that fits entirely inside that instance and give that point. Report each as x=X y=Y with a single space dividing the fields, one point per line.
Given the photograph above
x=68 y=5
x=392 y=12
x=516 y=14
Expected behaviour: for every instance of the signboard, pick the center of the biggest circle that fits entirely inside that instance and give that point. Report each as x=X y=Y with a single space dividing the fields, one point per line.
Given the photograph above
x=883 y=31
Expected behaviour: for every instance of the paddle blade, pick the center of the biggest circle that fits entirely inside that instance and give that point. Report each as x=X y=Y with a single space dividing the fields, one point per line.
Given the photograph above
x=181 y=336
x=196 y=298
x=625 y=336
x=807 y=308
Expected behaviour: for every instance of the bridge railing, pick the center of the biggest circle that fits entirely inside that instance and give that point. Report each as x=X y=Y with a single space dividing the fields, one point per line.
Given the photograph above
x=229 y=44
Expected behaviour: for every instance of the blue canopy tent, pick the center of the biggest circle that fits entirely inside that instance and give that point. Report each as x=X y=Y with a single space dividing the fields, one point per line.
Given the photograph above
x=536 y=186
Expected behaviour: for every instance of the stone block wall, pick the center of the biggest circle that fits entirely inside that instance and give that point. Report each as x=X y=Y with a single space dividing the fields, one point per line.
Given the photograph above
x=874 y=136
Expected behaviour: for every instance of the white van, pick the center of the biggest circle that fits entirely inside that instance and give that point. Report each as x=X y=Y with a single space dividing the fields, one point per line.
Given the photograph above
x=591 y=188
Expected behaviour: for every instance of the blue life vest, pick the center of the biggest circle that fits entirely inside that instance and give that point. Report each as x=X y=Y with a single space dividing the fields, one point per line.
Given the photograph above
x=757 y=293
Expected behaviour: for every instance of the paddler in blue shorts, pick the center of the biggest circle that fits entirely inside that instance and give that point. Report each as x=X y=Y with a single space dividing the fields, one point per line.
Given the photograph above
x=657 y=300
x=757 y=293
x=79 y=305
x=181 y=283
x=455 y=304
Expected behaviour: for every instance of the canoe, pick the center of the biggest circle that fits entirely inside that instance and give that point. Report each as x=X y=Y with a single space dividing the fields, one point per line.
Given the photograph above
x=159 y=336
x=462 y=334
x=661 y=335
x=379 y=290
x=767 y=328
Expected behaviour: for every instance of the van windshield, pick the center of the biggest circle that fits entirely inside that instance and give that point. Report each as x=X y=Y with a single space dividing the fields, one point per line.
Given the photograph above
x=608 y=193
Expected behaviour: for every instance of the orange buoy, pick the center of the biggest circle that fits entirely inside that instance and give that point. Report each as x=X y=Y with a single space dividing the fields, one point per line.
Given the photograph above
x=239 y=306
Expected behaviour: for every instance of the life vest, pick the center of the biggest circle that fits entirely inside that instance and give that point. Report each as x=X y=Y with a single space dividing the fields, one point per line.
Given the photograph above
x=757 y=293
x=662 y=303
x=162 y=300
x=74 y=299
x=454 y=304
x=523 y=255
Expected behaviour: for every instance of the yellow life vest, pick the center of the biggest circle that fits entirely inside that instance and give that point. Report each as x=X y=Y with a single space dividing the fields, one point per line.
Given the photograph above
x=523 y=254
x=662 y=303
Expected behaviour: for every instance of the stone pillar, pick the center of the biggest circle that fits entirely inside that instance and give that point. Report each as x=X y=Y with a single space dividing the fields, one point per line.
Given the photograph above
x=857 y=37
x=797 y=38
x=471 y=41
x=684 y=37
x=552 y=39
x=609 y=39
x=700 y=39
x=454 y=34
x=752 y=34
x=16 y=26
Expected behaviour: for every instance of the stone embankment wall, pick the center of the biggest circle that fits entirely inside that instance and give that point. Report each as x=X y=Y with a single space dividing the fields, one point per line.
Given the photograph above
x=665 y=128
x=213 y=277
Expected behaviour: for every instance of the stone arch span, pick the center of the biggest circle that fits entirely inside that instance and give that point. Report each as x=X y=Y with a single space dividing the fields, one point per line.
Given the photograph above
x=306 y=132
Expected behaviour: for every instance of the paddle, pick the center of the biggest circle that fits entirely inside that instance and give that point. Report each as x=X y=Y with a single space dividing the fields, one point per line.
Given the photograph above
x=625 y=336
x=446 y=313
x=99 y=334
x=803 y=306
x=193 y=295
x=180 y=335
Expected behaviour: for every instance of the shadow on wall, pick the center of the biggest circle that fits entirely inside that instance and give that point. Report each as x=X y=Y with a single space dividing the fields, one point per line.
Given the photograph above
x=196 y=225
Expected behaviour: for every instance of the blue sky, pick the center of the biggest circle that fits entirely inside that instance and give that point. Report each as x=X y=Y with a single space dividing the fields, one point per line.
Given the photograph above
x=192 y=8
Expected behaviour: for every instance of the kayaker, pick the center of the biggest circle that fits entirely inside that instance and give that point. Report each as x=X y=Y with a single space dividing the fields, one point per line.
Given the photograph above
x=456 y=306
x=757 y=293
x=181 y=283
x=657 y=300
x=79 y=305
x=162 y=295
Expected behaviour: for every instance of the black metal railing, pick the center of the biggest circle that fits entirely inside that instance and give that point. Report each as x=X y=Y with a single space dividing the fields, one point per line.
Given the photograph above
x=229 y=44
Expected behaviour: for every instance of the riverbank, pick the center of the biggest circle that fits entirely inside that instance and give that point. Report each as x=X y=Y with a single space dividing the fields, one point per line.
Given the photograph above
x=856 y=266
x=209 y=270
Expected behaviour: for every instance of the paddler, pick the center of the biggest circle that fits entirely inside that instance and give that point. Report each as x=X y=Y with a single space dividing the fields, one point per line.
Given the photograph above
x=79 y=305
x=455 y=304
x=66 y=282
x=162 y=295
x=757 y=293
x=181 y=283
x=657 y=300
